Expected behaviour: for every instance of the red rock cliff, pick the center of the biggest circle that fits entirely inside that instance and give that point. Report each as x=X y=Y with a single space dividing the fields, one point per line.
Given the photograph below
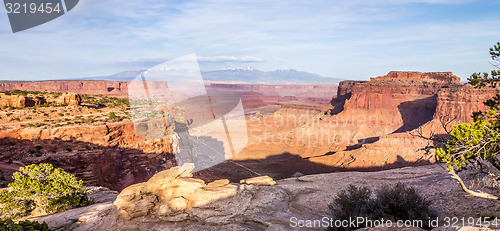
x=90 y=87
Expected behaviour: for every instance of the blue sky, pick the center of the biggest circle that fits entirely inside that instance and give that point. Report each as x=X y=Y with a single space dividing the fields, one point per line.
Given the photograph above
x=350 y=39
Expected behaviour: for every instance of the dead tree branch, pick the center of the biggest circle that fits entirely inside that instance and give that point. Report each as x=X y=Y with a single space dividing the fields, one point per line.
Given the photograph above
x=470 y=192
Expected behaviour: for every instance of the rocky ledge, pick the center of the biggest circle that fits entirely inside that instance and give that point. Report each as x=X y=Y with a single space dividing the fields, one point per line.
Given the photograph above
x=173 y=200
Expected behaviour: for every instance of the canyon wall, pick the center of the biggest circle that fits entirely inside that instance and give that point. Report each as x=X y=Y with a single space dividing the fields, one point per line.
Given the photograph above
x=459 y=102
x=253 y=96
x=113 y=155
x=405 y=105
x=90 y=87
x=369 y=125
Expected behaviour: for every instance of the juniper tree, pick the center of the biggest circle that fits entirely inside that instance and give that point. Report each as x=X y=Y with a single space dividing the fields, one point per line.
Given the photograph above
x=470 y=144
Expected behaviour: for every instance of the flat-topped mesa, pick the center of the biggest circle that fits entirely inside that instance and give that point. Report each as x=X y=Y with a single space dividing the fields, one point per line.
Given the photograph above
x=413 y=76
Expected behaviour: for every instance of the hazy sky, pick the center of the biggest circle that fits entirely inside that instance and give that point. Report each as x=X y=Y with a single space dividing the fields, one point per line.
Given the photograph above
x=350 y=39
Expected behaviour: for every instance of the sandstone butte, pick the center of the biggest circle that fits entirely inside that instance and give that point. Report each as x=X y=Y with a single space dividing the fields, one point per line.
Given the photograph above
x=369 y=125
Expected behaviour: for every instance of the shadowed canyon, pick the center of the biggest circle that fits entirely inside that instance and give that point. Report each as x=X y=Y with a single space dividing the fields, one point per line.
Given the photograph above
x=366 y=125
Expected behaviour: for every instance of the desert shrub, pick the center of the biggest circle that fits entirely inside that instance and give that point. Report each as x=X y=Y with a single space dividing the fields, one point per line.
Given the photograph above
x=390 y=203
x=112 y=116
x=41 y=187
x=9 y=225
x=489 y=215
x=403 y=203
x=351 y=203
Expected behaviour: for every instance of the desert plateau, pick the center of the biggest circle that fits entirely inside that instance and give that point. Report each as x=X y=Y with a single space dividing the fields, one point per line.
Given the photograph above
x=310 y=141
x=215 y=115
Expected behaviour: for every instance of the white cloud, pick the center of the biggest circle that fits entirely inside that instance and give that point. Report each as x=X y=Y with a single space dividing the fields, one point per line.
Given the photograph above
x=329 y=37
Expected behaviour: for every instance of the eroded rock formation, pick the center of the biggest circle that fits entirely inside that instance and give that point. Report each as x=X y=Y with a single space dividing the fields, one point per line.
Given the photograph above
x=90 y=87
x=111 y=155
x=71 y=99
x=170 y=193
x=19 y=101
x=77 y=86
x=369 y=125
x=254 y=207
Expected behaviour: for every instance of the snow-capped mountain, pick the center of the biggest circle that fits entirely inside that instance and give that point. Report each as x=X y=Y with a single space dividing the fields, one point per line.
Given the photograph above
x=241 y=75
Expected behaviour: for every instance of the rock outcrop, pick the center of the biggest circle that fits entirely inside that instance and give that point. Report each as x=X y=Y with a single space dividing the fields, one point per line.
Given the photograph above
x=170 y=193
x=12 y=101
x=19 y=101
x=71 y=99
x=255 y=207
x=259 y=180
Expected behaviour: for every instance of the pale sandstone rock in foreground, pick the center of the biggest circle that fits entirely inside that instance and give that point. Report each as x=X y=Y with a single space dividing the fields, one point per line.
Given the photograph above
x=169 y=193
x=254 y=207
x=260 y=180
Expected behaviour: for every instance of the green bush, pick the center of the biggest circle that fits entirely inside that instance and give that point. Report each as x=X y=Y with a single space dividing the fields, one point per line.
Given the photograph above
x=41 y=187
x=9 y=225
x=351 y=203
x=112 y=116
x=390 y=203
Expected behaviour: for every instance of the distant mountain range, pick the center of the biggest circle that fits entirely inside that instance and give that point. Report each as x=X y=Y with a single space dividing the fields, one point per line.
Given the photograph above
x=240 y=75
